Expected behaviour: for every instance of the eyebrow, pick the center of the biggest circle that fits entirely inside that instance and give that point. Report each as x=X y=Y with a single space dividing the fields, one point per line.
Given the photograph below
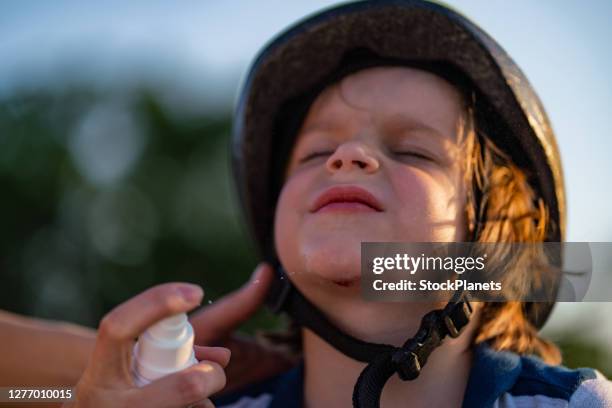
x=397 y=123
x=319 y=126
x=392 y=124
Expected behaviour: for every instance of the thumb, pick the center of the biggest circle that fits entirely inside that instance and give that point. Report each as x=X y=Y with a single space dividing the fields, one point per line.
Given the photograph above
x=213 y=323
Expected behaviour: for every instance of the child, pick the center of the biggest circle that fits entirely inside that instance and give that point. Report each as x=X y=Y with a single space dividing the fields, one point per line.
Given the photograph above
x=393 y=121
x=399 y=121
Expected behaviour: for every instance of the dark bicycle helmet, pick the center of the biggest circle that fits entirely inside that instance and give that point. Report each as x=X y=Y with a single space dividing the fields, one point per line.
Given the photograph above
x=298 y=63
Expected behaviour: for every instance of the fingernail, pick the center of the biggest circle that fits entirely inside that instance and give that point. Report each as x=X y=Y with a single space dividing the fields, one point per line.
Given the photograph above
x=191 y=293
x=256 y=276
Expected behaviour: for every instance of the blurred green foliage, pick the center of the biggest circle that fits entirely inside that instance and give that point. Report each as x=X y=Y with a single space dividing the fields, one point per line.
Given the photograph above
x=579 y=351
x=104 y=195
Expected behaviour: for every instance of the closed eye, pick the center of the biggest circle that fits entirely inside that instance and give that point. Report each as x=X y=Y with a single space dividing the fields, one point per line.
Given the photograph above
x=417 y=155
x=315 y=155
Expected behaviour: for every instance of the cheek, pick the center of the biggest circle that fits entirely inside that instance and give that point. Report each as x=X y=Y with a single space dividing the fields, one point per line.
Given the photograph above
x=291 y=203
x=430 y=206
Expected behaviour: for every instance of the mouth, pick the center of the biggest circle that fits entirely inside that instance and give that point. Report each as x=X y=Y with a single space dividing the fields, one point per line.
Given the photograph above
x=346 y=199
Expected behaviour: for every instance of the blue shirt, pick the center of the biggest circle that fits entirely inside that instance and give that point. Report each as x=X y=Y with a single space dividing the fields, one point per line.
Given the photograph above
x=498 y=379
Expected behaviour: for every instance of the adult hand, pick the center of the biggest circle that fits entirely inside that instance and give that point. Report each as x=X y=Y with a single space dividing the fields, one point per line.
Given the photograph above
x=215 y=324
x=107 y=379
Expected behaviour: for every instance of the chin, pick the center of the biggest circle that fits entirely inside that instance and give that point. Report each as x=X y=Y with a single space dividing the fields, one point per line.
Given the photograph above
x=333 y=260
x=329 y=253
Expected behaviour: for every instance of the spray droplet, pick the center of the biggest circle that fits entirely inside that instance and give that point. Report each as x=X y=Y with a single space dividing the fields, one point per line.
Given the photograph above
x=209 y=302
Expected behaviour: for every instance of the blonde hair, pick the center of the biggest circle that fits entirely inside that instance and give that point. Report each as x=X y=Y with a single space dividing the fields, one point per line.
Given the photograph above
x=507 y=210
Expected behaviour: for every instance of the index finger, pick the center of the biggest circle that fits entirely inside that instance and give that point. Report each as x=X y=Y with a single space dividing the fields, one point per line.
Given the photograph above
x=128 y=320
x=218 y=320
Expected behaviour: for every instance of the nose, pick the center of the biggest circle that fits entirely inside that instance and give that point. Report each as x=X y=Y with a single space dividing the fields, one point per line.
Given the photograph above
x=352 y=155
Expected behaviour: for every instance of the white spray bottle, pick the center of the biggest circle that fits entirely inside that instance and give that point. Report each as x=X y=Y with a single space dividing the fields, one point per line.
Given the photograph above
x=164 y=348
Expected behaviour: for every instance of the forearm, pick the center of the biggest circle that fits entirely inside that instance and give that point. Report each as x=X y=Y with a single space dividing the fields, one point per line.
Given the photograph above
x=36 y=352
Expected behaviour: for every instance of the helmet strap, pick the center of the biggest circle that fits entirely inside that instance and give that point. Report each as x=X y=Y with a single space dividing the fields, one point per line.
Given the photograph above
x=383 y=360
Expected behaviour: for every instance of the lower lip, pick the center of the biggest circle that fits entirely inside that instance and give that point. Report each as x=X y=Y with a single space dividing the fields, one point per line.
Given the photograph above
x=346 y=207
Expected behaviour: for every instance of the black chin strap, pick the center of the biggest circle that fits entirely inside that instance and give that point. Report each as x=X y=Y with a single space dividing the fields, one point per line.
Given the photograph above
x=383 y=360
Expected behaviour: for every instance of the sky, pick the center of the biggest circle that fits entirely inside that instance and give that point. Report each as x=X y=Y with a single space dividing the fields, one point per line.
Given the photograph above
x=199 y=51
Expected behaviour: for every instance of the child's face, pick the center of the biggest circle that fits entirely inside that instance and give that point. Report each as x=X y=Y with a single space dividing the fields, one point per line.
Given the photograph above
x=392 y=131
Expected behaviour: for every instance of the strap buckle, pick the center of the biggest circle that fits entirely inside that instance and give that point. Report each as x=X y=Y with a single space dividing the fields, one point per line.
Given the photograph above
x=407 y=364
x=412 y=356
x=457 y=317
